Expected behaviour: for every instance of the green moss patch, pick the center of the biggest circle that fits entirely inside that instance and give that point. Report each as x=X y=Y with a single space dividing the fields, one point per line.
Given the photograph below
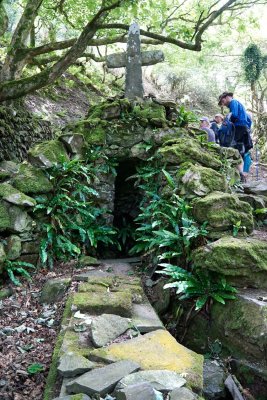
x=222 y=211
x=49 y=152
x=242 y=260
x=187 y=149
x=31 y=180
x=12 y=195
x=196 y=180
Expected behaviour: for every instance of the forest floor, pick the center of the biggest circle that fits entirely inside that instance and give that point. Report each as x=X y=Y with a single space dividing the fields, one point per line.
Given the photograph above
x=28 y=331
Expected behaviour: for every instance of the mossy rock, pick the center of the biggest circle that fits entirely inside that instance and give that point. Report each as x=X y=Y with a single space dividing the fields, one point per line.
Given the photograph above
x=73 y=343
x=88 y=260
x=230 y=154
x=151 y=112
x=31 y=180
x=242 y=260
x=222 y=211
x=114 y=285
x=5 y=220
x=20 y=221
x=196 y=180
x=2 y=257
x=187 y=149
x=14 y=196
x=93 y=131
x=240 y=326
x=13 y=247
x=256 y=202
x=104 y=302
x=54 y=290
x=109 y=110
x=48 y=153
x=5 y=292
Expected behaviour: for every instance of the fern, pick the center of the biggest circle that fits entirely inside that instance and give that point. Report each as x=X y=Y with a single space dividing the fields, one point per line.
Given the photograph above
x=14 y=268
x=73 y=220
x=202 y=286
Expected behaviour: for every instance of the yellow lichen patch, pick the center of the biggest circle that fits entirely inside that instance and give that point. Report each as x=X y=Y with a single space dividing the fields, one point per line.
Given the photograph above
x=154 y=351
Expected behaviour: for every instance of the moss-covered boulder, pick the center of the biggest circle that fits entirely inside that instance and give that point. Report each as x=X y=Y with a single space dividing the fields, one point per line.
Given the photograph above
x=157 y=350
x=242 y=260
x=188 y=149
x=31 y=180
x=240 y=325
x=48 y=153
x=14 y=196
x=230 y=154
x=222 y=211
x=196 y=180
x=256 y=202
x=13 y=219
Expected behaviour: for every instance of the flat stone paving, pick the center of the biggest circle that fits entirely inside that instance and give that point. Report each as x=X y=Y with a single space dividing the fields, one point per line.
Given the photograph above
x=108 y=296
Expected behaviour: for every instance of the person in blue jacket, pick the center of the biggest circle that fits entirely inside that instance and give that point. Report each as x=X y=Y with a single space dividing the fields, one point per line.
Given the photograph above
x=242 y=122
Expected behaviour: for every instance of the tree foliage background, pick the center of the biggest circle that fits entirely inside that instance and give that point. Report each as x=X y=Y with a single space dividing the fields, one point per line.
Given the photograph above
x=41 y=39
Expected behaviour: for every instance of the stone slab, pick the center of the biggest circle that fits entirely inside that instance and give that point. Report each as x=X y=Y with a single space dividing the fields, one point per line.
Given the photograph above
x=108 y=327
x=214 y=377
x=256 y=187
x=104 y=302
x=139 y=391
x=71 y=365
x=156 y=350
x=82 y=397
x=118 y=60
x=145 y=319
x=183 y=394
x=161 y=380
x=102 y=380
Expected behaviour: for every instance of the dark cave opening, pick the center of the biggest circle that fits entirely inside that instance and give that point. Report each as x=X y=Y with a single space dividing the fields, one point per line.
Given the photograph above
x=126 y=204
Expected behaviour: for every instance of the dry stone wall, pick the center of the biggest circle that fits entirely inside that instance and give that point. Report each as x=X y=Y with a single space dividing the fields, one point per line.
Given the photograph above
x=19 y=130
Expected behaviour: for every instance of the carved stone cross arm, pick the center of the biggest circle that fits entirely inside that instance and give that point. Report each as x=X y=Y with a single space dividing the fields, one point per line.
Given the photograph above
x=133 y=60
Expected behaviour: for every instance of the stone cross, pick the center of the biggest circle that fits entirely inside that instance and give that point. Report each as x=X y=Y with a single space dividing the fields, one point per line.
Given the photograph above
x=133 y=60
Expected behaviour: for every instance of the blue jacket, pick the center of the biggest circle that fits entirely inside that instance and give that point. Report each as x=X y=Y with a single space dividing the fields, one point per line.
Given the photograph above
x=239 y=115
